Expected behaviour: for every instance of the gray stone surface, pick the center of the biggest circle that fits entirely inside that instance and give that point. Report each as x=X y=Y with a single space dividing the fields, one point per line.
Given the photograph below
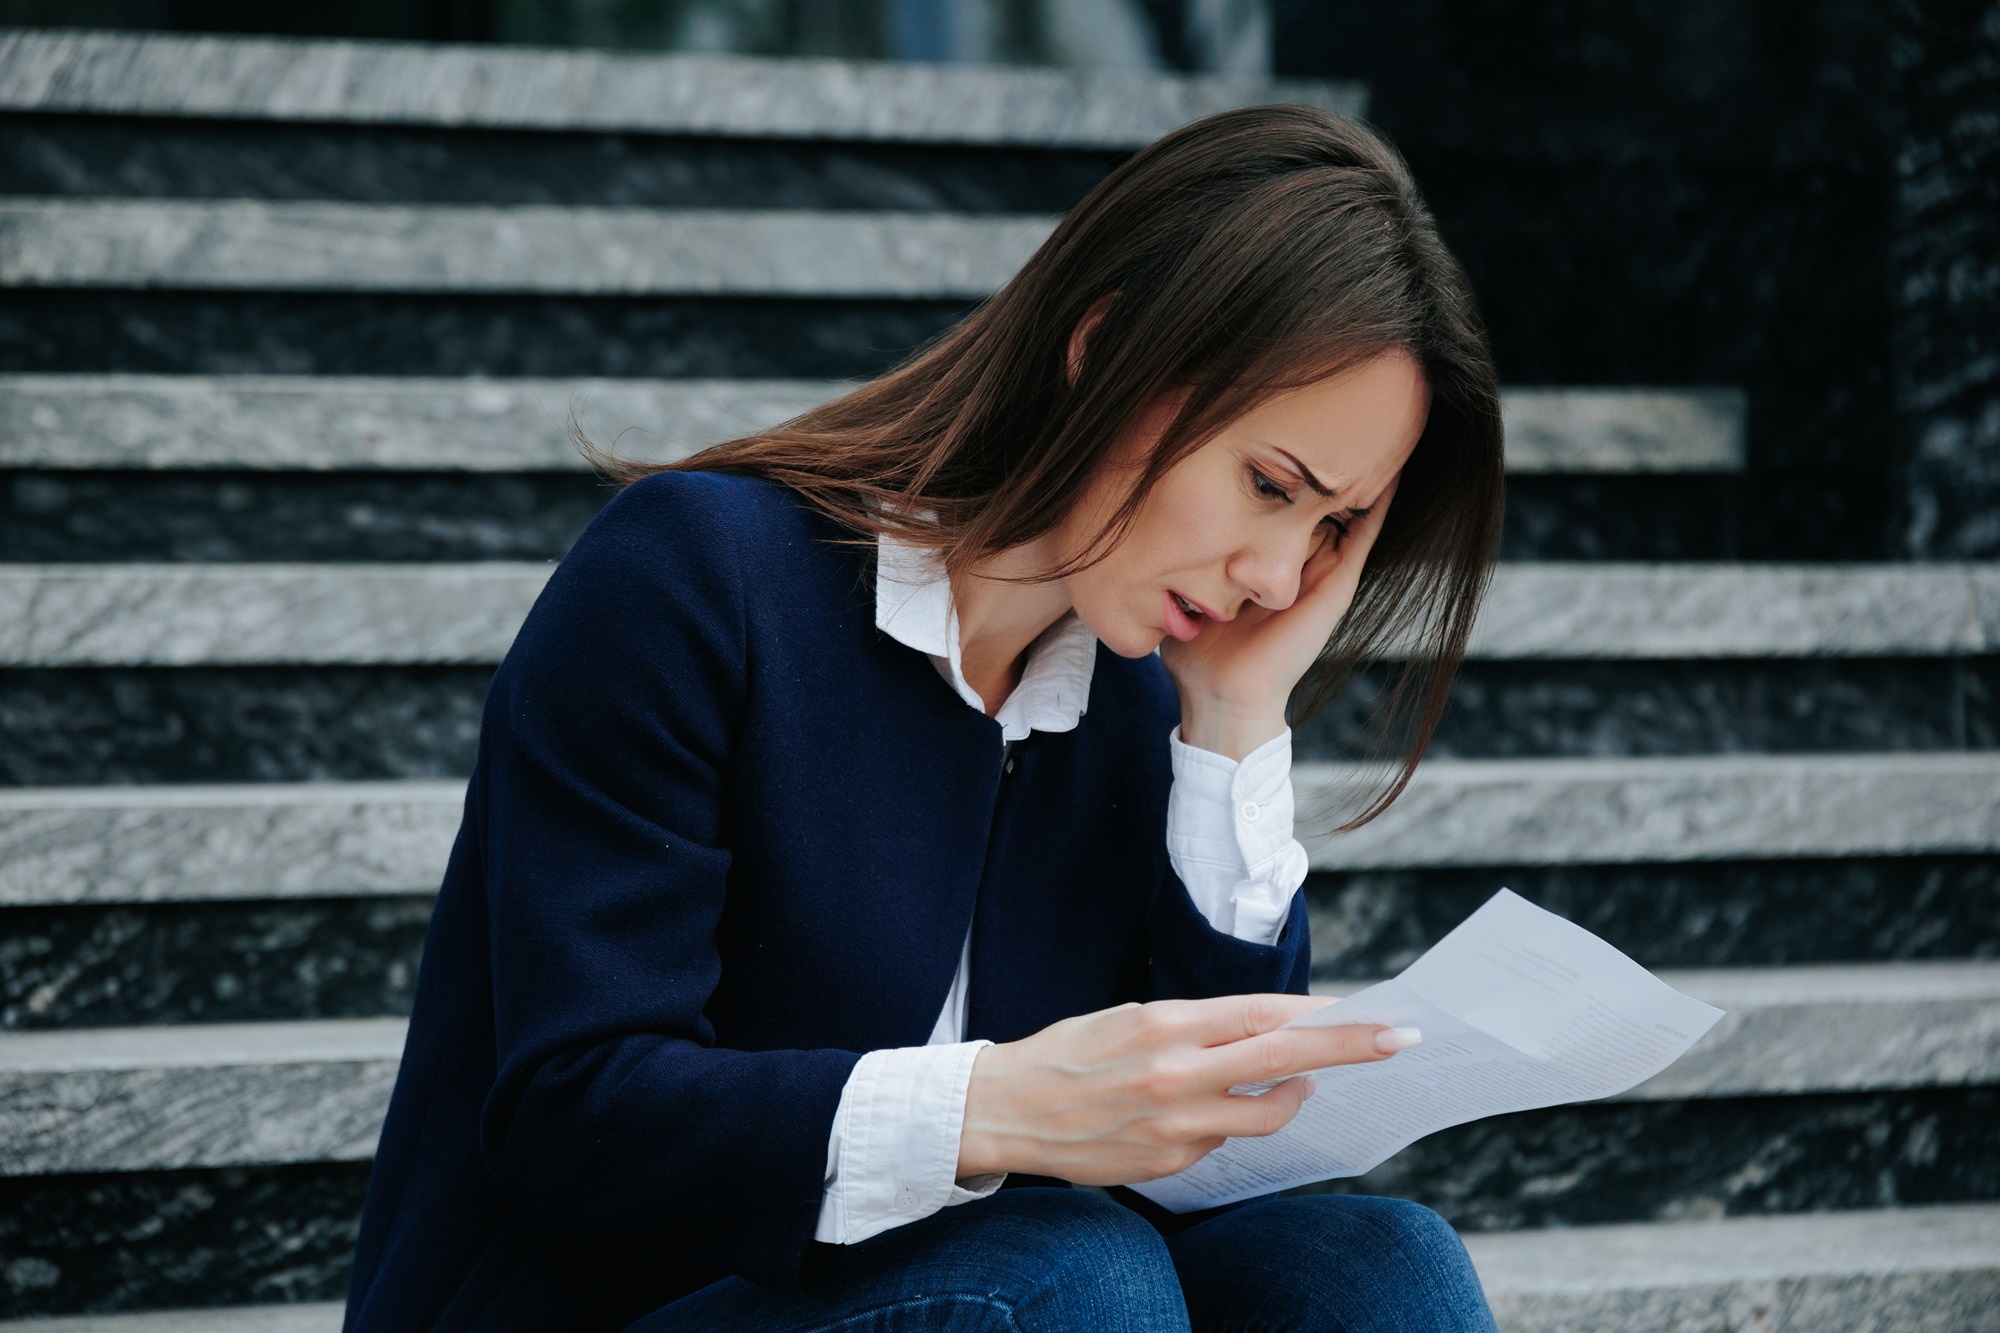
x=1676 y=610
x=1788 y=1031
x=162 y=331
x=1540 y=709
x=244 y=961
x=291 y=246
x=134 y=1099
x=1672 y=1161
x=1624 y=430
x=361 y=515
x=101 y=726
x=166 y=1240
x=1682 y=808
x=171 y=843
x=1945 y=257
x=1931 y=1269
x=187 y=615
x=1688 y=914
x=269 y=840
x=120 y=726
x=1838 y=1029
x=305 y=1317
x=117 y=1099
x=314 y=422
x=492 y=87
x=1935 y=1270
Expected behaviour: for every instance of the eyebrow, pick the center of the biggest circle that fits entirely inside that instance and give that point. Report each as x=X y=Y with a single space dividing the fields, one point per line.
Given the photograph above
x=1318 y=487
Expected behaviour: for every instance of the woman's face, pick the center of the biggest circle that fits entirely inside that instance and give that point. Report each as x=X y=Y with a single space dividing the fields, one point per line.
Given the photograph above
x=1233 y=523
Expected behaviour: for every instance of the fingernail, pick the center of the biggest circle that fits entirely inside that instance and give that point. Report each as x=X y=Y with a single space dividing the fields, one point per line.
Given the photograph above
x=1312 y=1086
x=1390 y=1040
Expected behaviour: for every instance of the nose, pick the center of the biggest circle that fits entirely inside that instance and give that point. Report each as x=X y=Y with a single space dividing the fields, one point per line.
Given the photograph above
x=1270 y=571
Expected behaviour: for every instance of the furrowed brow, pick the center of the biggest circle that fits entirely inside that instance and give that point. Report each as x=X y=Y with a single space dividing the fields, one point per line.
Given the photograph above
x=1318 y=487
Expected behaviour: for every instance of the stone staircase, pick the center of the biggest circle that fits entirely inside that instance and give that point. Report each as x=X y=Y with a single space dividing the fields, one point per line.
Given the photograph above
x=291 y=331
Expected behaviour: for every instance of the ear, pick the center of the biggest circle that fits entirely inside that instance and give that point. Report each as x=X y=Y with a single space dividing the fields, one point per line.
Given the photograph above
x=1079 y=337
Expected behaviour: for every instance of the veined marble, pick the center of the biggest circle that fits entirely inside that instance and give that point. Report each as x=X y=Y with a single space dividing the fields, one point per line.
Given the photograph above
x=314 y=423
x=497 y=88
x=292 y=246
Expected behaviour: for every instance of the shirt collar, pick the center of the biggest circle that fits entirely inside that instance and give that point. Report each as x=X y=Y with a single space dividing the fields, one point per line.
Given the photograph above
x=913 y=606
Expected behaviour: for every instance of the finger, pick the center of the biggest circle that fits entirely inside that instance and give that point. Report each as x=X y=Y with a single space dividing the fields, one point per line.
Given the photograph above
x=1365 y=530
x=1230 y=1018
x=1240 y=1117
x=1333 y=571
x=1299 y=1050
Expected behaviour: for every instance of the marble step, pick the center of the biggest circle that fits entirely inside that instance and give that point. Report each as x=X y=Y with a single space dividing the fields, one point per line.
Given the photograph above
x=159 y=1098
x=260 y=960
x=291 y=422
x=495 y=88
x=1915 y=1270
x=390 y=614
x=176 y=843
x=116 y=726
x=302 y=1317
x=258 y=245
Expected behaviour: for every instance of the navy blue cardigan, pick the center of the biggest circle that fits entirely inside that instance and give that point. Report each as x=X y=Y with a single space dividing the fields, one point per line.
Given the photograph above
x=724 y=836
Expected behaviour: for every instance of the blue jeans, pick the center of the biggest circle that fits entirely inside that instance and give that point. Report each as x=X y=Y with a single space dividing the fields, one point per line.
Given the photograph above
x=1035 y=1260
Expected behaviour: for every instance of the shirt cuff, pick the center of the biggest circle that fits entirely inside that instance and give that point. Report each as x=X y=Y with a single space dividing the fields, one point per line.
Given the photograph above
x=893 y=1154
x=1229 y=836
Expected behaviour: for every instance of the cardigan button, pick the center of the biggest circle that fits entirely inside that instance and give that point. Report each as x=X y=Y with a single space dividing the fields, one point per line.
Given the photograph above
x=1010 y=766
x=1251 y=812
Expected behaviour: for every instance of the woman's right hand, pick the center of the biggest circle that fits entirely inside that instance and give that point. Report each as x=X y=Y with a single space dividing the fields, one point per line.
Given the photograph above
x=1142 y=1091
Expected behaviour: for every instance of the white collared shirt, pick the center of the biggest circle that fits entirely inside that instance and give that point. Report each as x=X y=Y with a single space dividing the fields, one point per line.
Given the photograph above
x=893 y=1154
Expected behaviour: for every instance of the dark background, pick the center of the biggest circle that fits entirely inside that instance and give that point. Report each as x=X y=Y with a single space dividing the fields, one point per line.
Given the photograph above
x=1800 y=197
x=1797 y=197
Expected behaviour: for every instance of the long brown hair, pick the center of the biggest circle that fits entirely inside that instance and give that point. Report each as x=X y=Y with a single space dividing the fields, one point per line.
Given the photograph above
x=1246 y=254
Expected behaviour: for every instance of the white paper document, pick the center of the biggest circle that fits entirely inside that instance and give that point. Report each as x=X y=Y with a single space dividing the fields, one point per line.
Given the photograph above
x=1519 y=1009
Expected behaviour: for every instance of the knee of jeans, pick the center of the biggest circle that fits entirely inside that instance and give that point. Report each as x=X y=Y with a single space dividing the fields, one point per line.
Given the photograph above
x=1423 y=1239
x=1086 y=1242
x=1090 y=1229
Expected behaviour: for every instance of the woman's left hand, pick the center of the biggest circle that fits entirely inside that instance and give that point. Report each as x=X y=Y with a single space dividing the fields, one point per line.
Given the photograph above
x=1235 y=676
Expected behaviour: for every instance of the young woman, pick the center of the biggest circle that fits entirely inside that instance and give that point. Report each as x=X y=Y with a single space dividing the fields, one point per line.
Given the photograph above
x=843 y=875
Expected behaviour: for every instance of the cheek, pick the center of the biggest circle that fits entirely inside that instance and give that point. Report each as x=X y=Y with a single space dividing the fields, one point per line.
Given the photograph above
x=1163 y=546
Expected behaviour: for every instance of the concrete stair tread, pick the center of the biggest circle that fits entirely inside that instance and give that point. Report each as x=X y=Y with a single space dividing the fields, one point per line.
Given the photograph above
x=1937 y=1238
x=1472 y=812
x=1916 y=1270
x=190 y=614
x=1933 y=1268
x=181 y=843
x=121 y=1099
x=317 y=246
x=304 y=1317
x=489 y=87
x=321 y=423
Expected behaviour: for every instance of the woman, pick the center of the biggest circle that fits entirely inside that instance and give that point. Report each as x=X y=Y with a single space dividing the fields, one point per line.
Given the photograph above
x=834 y=885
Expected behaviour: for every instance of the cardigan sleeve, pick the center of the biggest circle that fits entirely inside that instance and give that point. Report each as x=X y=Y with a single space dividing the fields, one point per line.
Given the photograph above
x=614 y=1118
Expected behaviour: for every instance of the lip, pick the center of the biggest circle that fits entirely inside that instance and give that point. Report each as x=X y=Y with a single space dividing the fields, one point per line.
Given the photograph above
x=1178 y=624
x=1208 y=612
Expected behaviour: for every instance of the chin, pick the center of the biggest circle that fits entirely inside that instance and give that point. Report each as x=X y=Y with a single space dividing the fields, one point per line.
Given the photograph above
x=1137 y=641
x=1131 y=637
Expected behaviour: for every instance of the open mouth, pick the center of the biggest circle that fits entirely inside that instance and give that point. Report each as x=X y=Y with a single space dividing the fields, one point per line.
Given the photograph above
x=1184 y=618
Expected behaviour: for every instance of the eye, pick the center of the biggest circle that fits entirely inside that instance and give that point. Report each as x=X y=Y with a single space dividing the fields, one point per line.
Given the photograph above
x=1264 y=486
x=1339 y=524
